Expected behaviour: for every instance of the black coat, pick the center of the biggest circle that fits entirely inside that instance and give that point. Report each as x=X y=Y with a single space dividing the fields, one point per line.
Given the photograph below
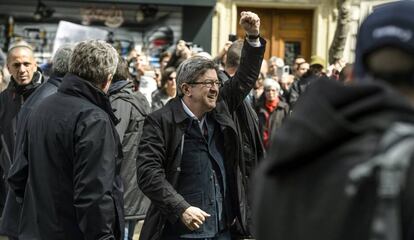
x=252 y=151
x=130 y=108
x=11 y=213
x=11 y=100
x=73 y=159
x=160 y=155
x=300 y=188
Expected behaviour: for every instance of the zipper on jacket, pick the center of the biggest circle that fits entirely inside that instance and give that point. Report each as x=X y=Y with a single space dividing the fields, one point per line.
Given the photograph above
x=182 y=144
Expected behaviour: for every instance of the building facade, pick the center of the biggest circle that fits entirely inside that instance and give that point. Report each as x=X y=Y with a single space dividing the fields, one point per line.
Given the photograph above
x=292 y=27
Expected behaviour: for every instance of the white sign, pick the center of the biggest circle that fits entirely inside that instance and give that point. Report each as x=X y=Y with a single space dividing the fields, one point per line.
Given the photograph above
x=71 y=33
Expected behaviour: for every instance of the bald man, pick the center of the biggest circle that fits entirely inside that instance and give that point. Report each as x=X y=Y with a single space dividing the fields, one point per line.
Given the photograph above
x=24 y=80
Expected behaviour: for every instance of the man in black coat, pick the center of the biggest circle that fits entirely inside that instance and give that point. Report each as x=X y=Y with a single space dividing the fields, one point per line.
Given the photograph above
x=25 y=78
x=70 y=186
x=247 y=127
x=303 y=186
x=11 y=213
x=188 y=162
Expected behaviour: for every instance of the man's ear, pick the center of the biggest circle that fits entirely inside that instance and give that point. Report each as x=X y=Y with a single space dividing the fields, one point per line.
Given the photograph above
x=105 y=85
x=185 y=89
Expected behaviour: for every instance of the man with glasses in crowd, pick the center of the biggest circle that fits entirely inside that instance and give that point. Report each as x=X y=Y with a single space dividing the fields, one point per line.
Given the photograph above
x=188 y=162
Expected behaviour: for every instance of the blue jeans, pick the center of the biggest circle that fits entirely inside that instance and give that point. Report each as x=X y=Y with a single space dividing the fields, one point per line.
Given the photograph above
x=129 y=229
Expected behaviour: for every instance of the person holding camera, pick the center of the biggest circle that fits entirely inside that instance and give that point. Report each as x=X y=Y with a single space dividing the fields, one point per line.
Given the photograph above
x=182 y=52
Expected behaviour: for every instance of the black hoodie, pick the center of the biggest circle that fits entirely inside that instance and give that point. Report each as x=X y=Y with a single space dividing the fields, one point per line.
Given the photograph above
x=332 y=114
x=300 y=188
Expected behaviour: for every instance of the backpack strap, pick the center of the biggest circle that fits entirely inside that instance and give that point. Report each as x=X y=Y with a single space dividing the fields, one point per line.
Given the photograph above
x=389 y=166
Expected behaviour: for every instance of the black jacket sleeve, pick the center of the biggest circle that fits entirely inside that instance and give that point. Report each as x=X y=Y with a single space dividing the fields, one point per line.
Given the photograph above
x=151 y=172
x=94 y=169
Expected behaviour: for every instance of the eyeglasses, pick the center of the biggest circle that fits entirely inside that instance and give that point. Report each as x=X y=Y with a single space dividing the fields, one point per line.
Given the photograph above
x=208 y=83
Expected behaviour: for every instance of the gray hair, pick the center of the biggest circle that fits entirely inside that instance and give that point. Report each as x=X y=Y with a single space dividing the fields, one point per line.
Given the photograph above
x=278 y=61
x=94 y=61
x=60 y=61
x=271 y=83
x=191 y=69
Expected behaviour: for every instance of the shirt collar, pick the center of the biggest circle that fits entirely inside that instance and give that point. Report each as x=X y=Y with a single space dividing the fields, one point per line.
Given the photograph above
x=191 y=114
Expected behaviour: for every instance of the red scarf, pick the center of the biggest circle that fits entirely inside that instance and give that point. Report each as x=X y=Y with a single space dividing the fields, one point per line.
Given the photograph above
x=270 y=106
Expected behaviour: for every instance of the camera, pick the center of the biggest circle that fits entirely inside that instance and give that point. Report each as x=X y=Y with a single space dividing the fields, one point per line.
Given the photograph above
x=285 y=70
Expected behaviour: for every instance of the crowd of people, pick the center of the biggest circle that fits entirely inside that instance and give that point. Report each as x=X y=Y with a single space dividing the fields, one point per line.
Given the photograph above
x=101 y=142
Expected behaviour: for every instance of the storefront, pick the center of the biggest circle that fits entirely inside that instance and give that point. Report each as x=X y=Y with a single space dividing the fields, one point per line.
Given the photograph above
x=149 y=25
x=291 y=27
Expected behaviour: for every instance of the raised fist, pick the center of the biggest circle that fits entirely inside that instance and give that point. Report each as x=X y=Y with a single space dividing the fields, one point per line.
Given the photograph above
x=250 y=23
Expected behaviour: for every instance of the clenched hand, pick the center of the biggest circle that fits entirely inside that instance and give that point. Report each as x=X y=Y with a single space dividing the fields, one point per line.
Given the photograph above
x=194 y=217
x=250 y=23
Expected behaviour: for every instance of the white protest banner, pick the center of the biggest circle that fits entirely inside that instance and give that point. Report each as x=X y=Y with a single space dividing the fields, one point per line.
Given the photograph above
x=70 y=33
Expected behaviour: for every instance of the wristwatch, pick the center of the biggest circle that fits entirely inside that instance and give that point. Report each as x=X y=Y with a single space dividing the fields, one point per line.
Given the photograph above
x=253 y=37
